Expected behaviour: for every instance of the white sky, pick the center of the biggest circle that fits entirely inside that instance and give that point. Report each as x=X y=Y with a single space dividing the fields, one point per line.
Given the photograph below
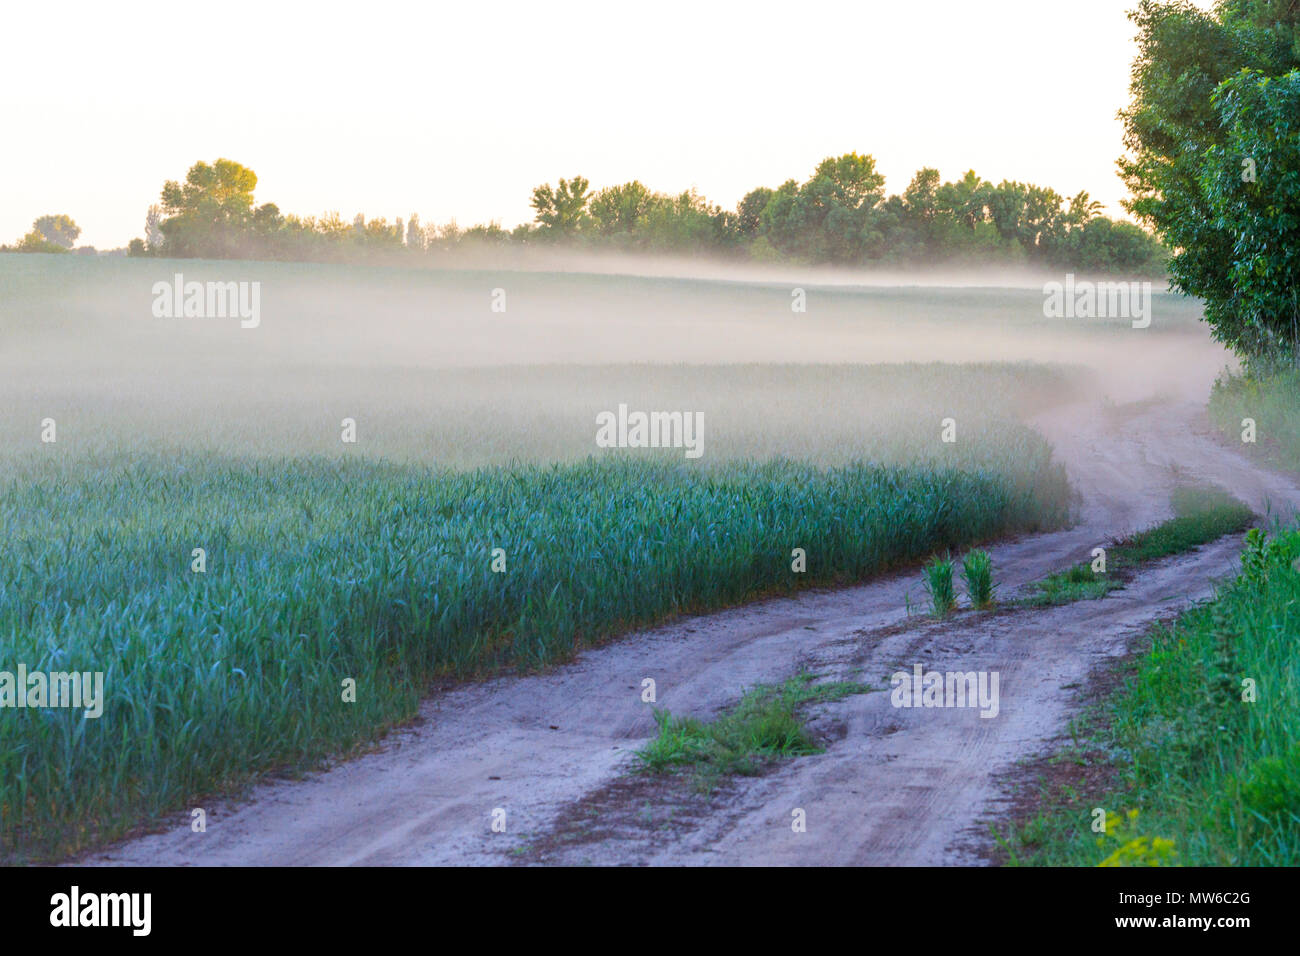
x=457 y=110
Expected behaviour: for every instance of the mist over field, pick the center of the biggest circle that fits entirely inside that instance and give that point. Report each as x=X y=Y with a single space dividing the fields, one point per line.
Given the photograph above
x=430 y=369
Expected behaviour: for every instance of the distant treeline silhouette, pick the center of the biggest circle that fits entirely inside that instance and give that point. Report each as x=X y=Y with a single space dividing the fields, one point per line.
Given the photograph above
x=839 y=216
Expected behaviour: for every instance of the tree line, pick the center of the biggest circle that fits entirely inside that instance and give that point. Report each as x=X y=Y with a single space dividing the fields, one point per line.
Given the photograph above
x=840 y=215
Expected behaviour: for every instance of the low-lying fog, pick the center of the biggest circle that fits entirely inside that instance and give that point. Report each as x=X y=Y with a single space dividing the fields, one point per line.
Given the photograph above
x=95 y=338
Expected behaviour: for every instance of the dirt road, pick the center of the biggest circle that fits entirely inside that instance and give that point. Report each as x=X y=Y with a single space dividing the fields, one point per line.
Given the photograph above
x=895 y=786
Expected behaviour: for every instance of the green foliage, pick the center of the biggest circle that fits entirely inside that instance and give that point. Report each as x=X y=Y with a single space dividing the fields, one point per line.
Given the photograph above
x=1272 y=400
x=1214 y=161
x=1265 y=557
x=1272 y=785
x=562 y=210
x=1260 y=116
x=57 y=230
x=831 y=218
x=618 y=212
x=210 y=213
x=938 y=584
x=840 y=215
x=49 y=234
x=764 y=726
x=1201 y=515
x=749 y=213
x=1134 y=849
x=1078 y=583
x=34 y=242
x=977 y=569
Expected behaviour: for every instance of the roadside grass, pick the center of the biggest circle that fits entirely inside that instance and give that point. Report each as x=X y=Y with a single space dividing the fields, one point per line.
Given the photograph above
x=1194 y=757
x=765 y=726
x=1272 y=401
x=1201 y=515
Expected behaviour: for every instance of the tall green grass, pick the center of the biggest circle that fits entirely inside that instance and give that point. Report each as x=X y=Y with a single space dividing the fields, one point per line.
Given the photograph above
x=1273 y=401
x=938 y=584
x=977 y=570
x=319 y=571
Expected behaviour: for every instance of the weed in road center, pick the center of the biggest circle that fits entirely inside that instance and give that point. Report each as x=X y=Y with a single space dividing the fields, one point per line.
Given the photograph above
x=938 y=584
x=766 y=725
x=977 y=569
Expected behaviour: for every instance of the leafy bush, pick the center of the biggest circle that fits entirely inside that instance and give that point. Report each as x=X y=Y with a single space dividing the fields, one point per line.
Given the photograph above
x=1273 y=784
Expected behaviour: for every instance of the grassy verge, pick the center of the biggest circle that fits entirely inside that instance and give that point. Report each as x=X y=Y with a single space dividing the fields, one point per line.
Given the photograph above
x=1193 y=760
x=319 y=572
x=1201 y=515
x=1272 y=402
x=765 y=726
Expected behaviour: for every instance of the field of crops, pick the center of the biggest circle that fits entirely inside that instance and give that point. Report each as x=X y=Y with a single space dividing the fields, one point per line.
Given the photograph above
x=317 y=572
x=373 y=561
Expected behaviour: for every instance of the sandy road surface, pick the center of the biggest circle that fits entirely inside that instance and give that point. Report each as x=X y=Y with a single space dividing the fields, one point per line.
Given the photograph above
x=897 y=787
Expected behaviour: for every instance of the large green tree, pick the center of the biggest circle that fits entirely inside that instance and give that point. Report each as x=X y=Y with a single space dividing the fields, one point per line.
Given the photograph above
x=58 y=230
x=1212 y=160
x=618 y=211
x=833 y=217
x=562 y=209
x=210 y=213
x=749 y=212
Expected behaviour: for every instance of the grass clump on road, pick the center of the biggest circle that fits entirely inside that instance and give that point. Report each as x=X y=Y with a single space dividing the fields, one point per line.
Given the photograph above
x=1197 y=749
x=765 y=726
x=1078 y=583
x=977 y=569
x=938 y=584
x=1201 y=515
